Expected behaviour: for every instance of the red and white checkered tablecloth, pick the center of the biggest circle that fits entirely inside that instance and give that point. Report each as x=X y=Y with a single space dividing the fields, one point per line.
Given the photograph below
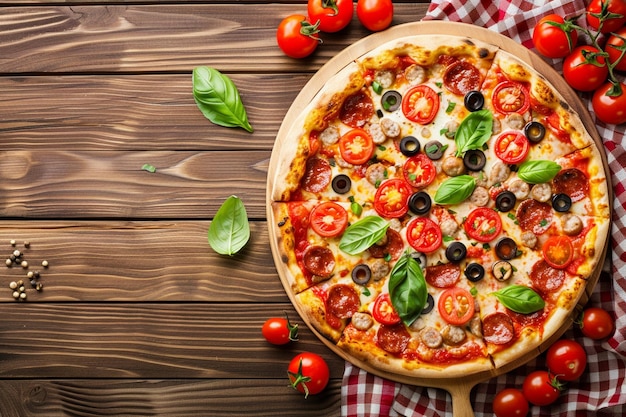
x=601 y=391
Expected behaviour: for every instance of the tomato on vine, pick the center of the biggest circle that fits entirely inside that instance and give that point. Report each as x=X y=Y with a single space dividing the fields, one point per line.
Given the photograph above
x=609 y=103
x=554 y=37
x=333 y=15
x=279 y=331
x=615 y=48
x=297 y=37
x=308 y=373
x=540 y=388
x=606 y=16
x=585 y=68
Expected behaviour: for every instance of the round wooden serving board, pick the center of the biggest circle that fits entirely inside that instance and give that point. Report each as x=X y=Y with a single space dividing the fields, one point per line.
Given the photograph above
x=459 y=389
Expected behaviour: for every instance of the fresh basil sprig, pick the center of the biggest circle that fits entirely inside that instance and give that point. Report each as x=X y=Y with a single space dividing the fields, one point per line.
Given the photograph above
x=455 y=190
x=363 y=234
x=229 y=231
x=218 y=98
x=407 y=289
x=538 y=171
x=520 y=299
x=474 y=131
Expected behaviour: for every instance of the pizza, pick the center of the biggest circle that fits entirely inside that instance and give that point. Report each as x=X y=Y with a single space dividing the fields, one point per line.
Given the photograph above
x=438 y=208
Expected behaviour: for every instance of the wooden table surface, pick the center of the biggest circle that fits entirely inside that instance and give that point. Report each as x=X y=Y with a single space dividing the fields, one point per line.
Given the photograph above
x=138 y=315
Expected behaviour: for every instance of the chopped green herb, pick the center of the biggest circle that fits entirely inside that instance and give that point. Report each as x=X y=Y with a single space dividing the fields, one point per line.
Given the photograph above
x=450 y=108
x=377 y=87
x=149 y=168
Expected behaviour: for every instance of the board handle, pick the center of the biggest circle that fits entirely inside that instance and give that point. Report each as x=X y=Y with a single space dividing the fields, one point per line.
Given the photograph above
x=461 y=405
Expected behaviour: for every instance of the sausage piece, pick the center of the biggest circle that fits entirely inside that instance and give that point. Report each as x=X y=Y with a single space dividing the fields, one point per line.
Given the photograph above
x=453 y=335
x=362 y=321
x=431 y=337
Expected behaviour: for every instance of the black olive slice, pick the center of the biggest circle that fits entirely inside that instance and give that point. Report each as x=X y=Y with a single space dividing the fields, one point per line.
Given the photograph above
x=502 y=270
x=420 y=202
x=534 y=131
x=474 y=160
x=456 y=252
x=474 y=100
x=506 y=248
x=420 y=258
x=434 y=150
x=361 y=274
x=341 y=184
x=561 y=202
x=391 y=100
x=474 y=272
x=505 y=201
x=409 y=146
x=430 y=304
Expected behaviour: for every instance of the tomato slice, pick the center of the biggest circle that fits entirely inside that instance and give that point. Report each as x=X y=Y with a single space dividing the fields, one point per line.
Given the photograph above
x=420 y=104
x=456 y=306
x=356 y=146
x=383 y=310
x=483 y=224
x=328 y=219
x=419 y=170
x=512 y=147
x=424 y=235
x=510 y=97
x=558 y=251
x=392 y=198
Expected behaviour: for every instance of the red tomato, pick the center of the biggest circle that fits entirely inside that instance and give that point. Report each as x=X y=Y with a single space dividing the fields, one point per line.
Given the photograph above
x=603 y=8
x=420 y=104
x=614 y=53
x=566 y=359
x=383 y=310
x=554 y=41
x=424 y=235
x=333 y=15
x=596 y=323
x=540 y=389
x=510 y=97
x=512 y=147
x=611 y=110
x=356 y=146
x=279 y=331
x=483 y=224
x=558 y=251
x=392 y=197
x=308 y=373
x=584 y=70
x=419 y=170
x=328 y=219
x=510 y=402
x=456 y=306
x=297 y=37
x=375 y=15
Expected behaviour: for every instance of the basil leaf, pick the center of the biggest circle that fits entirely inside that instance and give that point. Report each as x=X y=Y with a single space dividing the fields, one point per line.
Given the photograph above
x=218 y=99
x=520 y=299
x=537 y=172
x=229 y=231
x=407 y=289
x=455 y=190
x=474 y=131
x=363 y=234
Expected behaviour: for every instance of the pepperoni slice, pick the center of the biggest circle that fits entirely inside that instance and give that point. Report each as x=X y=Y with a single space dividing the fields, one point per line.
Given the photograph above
x=393 y=339
x=357 y=109
x=317 y=175
x=545 y=278
x=443 y=275
x=343 y=301
x=534 y=216
x=461 y=77
x=393 y=246
x=319 y=261
x=572 y=182
x=498 y=329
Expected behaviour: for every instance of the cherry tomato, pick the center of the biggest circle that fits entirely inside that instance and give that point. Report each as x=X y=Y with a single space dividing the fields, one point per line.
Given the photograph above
x=419 y=170
x=554 y=41
x=375 y=15
x=308 y=373
x=356 y=146
x=333 y=15
x=558 y=251
x=566 y=359
x=510 y=402
x=614 y=53
x=483 y=224
x=424 y=235
x=616 y=9
x=297 y=37
x=420 y=104
x=584 y=69
x=456 y=306
x=383 y=310
x=510 y=97
x=540 y=389
x=596 y=323
x=512 y=147
x=392 y=198
x=328 y=219
x=279 y=331
x=611 y=110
